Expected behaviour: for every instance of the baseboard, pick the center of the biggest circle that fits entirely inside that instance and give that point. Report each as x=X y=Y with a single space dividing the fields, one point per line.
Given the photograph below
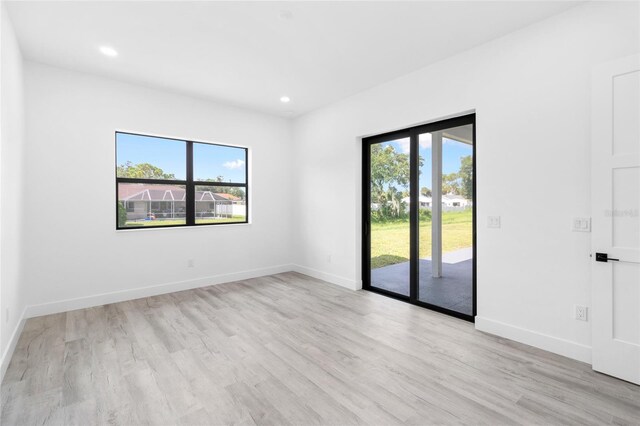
x=13 y=341
x=559 y=346
x=137 y=293
x=325 y=276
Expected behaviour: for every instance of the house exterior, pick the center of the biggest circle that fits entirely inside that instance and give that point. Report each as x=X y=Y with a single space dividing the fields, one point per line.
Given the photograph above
x=425 y=202
x=453 y=200
x=449 y=201
x=143 y=202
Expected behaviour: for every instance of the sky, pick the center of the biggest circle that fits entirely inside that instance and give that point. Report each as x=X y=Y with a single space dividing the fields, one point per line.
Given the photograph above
x=452 y=152
x=209 y=161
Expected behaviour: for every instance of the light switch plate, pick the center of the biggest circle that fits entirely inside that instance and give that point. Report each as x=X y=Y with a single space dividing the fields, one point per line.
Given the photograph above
x=581 y=224
x=581 y=313
x=493 y=222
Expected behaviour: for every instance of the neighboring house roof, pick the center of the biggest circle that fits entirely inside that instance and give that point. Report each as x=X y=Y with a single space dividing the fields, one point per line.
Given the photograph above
x=445 y=197
x=229 y=197
x=166 y=193
x=210 y=196
x=126 y=191
x=453 y=197
x=423 y=199
x=156 y=195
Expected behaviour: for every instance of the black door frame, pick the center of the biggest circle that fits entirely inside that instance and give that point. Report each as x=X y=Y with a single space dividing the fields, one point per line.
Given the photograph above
x=414 y=212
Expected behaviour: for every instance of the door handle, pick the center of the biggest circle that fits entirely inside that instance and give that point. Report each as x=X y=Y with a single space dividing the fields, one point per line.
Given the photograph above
x=604 y=257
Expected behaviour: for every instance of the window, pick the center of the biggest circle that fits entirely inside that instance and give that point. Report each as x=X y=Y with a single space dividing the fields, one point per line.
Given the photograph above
x=162 y=182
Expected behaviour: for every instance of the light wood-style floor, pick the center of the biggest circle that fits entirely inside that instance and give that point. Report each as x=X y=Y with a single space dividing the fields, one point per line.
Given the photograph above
x=288 y=349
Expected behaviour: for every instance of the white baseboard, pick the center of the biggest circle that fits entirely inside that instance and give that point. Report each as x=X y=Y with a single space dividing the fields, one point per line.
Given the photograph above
x=137 y=293
x=325 y=276
x=559 y=346
x=13 y=341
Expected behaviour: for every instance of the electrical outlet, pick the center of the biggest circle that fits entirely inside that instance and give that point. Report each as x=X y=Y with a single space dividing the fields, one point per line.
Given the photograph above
x=191 y=263
x=6 y=314
x=493 y=222
x=581 y=313
x=581 y=224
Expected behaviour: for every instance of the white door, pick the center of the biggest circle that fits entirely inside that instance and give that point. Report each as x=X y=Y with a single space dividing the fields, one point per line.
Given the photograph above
x=615 y=198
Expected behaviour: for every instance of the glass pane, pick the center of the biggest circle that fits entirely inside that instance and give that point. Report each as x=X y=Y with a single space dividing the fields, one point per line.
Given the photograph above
x=446 y=266
x=390 y=229
x=147 y=157
x=217 y=163
x=150 y=205
x=220 y=204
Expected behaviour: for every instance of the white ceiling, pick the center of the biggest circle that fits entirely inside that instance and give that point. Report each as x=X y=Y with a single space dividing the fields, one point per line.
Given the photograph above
x=249 y=54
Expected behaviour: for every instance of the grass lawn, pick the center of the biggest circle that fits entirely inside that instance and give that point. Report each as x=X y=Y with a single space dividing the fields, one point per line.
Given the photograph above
x=161 y=223
x=390 y=241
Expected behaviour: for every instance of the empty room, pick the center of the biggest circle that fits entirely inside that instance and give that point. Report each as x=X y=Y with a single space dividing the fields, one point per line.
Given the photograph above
x=319 y=212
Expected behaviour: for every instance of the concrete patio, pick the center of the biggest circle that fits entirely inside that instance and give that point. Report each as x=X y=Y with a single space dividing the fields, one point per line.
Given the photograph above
x=454 y=290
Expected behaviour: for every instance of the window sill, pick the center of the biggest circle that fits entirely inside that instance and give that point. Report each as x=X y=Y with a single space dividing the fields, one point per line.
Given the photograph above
x=164 y=228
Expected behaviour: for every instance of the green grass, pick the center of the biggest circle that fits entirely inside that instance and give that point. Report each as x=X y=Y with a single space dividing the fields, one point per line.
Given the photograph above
x=233 y=219
x=390 y=241
x=161 y=223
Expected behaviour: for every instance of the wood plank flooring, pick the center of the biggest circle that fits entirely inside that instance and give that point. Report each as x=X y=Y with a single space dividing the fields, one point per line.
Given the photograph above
x=289 y=349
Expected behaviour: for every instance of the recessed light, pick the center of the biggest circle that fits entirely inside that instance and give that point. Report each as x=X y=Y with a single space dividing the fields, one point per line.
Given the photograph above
x=285 y=99
x=109 y=51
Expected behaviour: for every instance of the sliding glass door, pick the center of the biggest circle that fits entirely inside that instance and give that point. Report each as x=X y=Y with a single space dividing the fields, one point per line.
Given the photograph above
x=446 y=219
x=390 y=233
x=419 y=217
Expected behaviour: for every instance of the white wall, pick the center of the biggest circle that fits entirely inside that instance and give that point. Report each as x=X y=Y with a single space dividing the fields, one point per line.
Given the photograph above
x=531 y=92
x=12 y=292
x=72 y=250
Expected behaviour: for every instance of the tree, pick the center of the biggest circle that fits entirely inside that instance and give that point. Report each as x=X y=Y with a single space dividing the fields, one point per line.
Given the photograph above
x=238 y=192
x=451 y=183
x=216 y=179
x=122 y=215
x=425 y=191
x=389 y=179
x=142 y=171
x=466 y=177
x=235 y=191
